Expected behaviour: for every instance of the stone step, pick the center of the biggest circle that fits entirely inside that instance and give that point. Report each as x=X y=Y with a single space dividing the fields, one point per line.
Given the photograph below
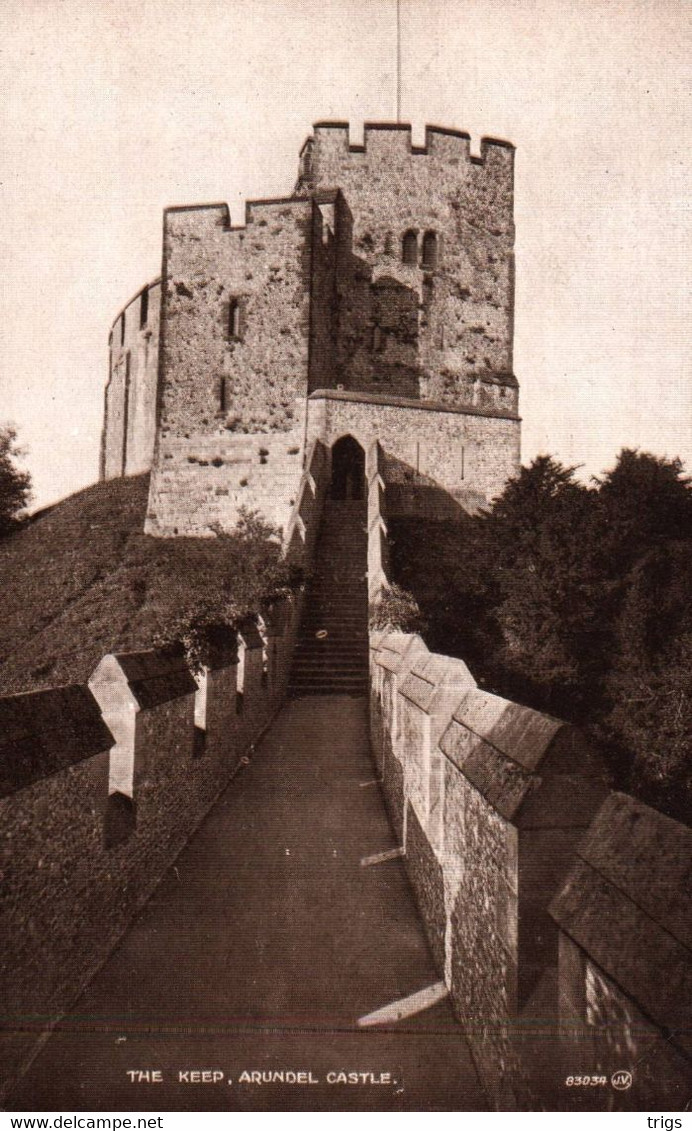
x=331 y=623
x=336 y=603
x=328 y=647
x=329 y=687
x=325 y=601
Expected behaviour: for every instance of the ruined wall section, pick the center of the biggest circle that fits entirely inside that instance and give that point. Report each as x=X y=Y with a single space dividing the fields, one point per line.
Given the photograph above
x=129 y=429
x=442 y=332
x=235 y=346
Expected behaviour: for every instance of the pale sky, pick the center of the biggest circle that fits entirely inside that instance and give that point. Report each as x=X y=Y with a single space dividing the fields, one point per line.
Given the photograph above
x=111 y=110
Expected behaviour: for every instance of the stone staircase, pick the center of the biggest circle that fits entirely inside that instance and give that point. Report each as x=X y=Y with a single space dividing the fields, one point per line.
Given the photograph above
x=331 y=654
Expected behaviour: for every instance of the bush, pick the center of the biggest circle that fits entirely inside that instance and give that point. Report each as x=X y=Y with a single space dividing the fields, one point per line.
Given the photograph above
x=398 y=610
x=15 y=485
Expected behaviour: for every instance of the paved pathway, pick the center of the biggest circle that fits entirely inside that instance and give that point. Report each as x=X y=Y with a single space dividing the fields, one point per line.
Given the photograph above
x=260 y=950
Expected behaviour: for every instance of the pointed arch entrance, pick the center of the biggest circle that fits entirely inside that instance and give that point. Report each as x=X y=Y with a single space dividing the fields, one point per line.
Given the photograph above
x=348 y=469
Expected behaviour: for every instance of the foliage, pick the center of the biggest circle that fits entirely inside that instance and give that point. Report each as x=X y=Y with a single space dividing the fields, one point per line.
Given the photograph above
x=189 y=593
x=645 y=501
x=396 y=609
x=15 y=485
x=574 y=599
x=83 y=580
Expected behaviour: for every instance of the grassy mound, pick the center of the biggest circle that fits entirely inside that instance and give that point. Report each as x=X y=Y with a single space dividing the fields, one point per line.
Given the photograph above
x=82 y=580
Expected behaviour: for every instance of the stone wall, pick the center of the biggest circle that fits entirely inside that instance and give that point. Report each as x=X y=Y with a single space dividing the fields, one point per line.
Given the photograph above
x=490 y=799
x=440 y=329
x=129 y=424
x=436 y=461
x=92 y=817
x=200 y=483
x=318 y=292
x=624 y=913
x=234 y=354
x=551 y=907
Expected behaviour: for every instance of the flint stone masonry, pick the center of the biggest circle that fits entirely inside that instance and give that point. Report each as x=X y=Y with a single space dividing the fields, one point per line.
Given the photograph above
x=377 y=301
x=264 y=267
x=199 y=484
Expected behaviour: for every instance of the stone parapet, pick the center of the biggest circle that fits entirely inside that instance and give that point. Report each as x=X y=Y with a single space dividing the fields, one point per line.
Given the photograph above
x=624 y=912
x=106 y=786
x=549 y=903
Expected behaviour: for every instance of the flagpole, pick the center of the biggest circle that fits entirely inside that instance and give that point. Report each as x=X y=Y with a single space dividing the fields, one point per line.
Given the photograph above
x=398 y=60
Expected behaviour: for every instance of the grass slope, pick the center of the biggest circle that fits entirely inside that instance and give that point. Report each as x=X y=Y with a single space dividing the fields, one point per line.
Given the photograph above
x=82 y=580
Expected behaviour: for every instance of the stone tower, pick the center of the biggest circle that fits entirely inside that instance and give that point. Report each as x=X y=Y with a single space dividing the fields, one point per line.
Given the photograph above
x=375 y=302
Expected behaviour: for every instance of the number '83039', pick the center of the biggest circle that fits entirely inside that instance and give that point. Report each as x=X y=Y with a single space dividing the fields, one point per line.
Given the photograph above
x=588 y=1081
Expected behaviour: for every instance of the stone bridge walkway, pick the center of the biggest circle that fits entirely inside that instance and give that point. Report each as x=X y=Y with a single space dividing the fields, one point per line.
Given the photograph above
x=261 y=949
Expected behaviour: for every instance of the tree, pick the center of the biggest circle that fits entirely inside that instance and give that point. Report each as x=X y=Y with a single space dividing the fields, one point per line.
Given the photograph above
x=551 y=592
x=645 y=501
x=15 y=485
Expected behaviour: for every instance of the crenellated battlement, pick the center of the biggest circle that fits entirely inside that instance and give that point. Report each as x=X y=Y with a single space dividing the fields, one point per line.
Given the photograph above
x=440 y=141
x=217 y=216
x=387 y=275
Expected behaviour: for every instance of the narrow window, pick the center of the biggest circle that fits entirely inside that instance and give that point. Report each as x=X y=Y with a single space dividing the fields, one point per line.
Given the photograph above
x=234 y=319
x=377 y=340
x=462 y=468
x=144 y=309
x=122 y=328
x=223 y=395
x=409 y=248
x=429 y=260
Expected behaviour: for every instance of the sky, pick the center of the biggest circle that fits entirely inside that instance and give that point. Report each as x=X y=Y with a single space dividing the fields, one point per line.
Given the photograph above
x=112 y=110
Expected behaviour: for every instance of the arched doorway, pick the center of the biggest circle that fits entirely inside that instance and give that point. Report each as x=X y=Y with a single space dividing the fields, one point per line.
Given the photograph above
x=348 y=469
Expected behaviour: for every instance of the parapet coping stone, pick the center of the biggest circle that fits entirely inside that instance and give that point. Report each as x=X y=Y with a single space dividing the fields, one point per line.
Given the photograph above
x=499 y=746
x=648 y=857
x=156 y=676
x=522 y=733
x=396 y=651
x=44 y=732
x=432 y=674
x=250 y=634
x=627 y=903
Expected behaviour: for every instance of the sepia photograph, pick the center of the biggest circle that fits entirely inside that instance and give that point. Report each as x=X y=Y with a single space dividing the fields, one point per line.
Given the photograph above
x=345 y=557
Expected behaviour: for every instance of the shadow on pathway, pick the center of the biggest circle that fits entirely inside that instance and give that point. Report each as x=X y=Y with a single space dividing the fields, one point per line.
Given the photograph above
x=262 y=947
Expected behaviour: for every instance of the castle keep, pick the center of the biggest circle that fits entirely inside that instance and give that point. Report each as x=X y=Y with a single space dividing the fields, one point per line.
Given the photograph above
x=376 y=302
x=344 y=356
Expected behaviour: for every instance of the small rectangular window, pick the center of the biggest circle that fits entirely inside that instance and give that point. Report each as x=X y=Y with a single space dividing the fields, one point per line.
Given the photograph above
x=144 y=308
x=122 y=328
x=223 y=395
